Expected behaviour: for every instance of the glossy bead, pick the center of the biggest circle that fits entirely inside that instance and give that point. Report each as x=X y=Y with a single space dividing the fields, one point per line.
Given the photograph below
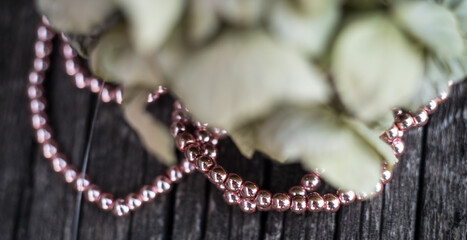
x=249 y=190
x=118 y=95
x=105 y=95
x=147 y=193
x=443 y=96
x=247 y=206
x=94 y=85
x=221 y=187
x=43 y=134
x=36 y=77
x=310 y=182
x=178 y=105
x=183 y=140
x=263 y=200
x=71 y=67
x=398 y=147
x=42 y=49
x=202 y=135
x=209 y=150
x=432 y=106
x=68 y=52
x=280 y=202
x=59 y=163
x=41 y=64
x=180 y=116
x=404 y=121
x=38 y=120
x=162 y=184
x=331 y=203
x=35 y=91
x=386 y=176
x=421 y=118
x=81 y=183
x=218 y=175
x=204 y=164
x=298 y=204
x=80 y=80
x=362 y=196
x=37 y=105
x=106 y=202
x=233 y=182
x=187 y=167
x=231 y=198
x=201 y=125
x=134 y=201
x=392 y=133
x=378 y=189
x=92 y=193
x=162 y=90
x=346 y=197
x=297 y=191
x=120 y=208
x=192 y=152
x=49 y=149
x=45 y=21
x=70 y=174
x=315 y=202
x=174 y=174
x=44 y=34
x=176 y=128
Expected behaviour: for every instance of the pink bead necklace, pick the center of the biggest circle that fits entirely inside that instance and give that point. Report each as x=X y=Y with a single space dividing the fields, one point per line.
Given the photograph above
x=198 y=146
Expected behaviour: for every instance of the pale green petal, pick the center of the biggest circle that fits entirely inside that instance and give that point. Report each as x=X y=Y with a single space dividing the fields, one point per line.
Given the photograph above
x=114 y=59
x=76 y=16
x=433 y=25
x=243 y=76
x=309 y=33
x=154 y=136
x=374 y=67
x=461 y=15
x=241 y=12
x=322 y=140
x=202 y=21
x=151 y=21
x=313 y=7
x=244 y=139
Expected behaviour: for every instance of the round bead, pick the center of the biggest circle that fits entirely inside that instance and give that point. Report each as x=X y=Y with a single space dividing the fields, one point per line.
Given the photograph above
x=249 y=190
x=421 y=118
x=178 y=105
x=386 y=176
x=44 y=34
x=162 y=90
x=204 y=164
x=118 y=95
x=180 y=116
x=38 y=120
x=35 y=91
x=174 y=174
x=443 y=96
x=134 y=201
x=202 y=135
x=176 y=128
x=49 y=149
x=218 y=175
x=71 y=67
x=70 y=174
x=310 y=182
x=378 y=189
x=36 y=77
x=106 y=202
x=298 y=204
x=221 y=187
x=263 y=200
x=43 y=134
x=81 y=183
x=331 y=203
x=398 y=147
x=233 y=182
x=432 y=106
x=45 y=21
x=297 y=191
x=68 y=52
x=42 y=49
x=80 y=80
x=120 y=208
x=192 y=152
x=280 y=202
x=37 y=105
x=162 y=184
x=315 y=202
x=187 y=167
x=94 y=85
x=362 y=196
x=209 y=149
x=183 y=140
x=346 y=197
x=147 y=193
x=41 y=64
x=92 y=193
x=404 y=121
x=247 y=206
x=59 y=163
x=231 y=198
x=105 y=95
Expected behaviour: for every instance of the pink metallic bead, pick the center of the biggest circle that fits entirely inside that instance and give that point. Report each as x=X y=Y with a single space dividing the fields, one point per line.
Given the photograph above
x=44 y=34
x=386 y=176
x=404 y=121
x=398 y=147
x=95 y=85
x=378 y=189
x=43 y=134
x=392 y=133
x=209 y=150
x=42 y=49
x=298 y=204
x=177 y=128
x=68 y=52
x=37 y=105
x=233 y=182
x=120 y=208
x=443 y=96
x=59 y=163
x=162 y=90
x=231 y=198
x=45 y=21
x=147 y=193
x=249 y=190
x=178 y=105
x=280 y=202
x=180 y=116
x=331 y=203
x=134 y=201
x=36 y=77
x=192 y=152
x=80 y=80
x=310 y=182
x=421 y=118
x=174 y=174
x=41 y=64
x=200 y=125
x=221 y=187
x=63 y=37
x=346 y=197
x=35 y=91
x=118 y=95
x=71 y=67
x=297 y=191
x=106 y=202
x=105 y=95
x=204 y=164
x=315 y=202
x=187 y=167
x=202 y=135
x=70 y=174
x=432 y=106
x=263 y=200
x=362 y=196
x=80 y=184
x=183 y=140
x=49 y=149
x=92 y=193
x=38 y=120
x=218 y=175
x=162 y=184
x=247 y=206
